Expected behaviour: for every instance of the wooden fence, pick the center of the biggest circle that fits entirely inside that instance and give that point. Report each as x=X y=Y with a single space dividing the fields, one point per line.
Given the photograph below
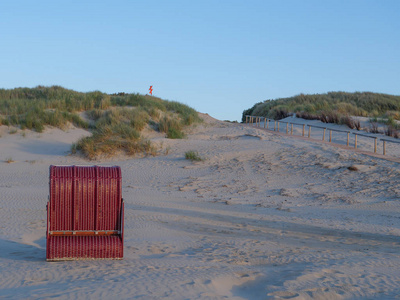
x=267 y=125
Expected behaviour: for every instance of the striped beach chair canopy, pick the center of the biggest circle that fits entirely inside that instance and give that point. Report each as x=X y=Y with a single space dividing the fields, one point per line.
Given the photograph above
x=85 y=213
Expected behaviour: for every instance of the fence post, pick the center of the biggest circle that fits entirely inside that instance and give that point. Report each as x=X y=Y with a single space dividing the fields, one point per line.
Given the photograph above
x=304 y=125
x=375 y=145
x=275 y=126
x=323 y=137
x=309 y=131
x=267 y=124
x=265 y=120
x=278 y=126
x=384 y=147
x=287 y=128
x=348 y=138
x=291 y=130
x=355 y=142
x=330 y=136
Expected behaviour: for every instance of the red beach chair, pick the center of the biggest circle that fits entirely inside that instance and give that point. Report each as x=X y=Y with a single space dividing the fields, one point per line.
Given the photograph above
x=85 y=213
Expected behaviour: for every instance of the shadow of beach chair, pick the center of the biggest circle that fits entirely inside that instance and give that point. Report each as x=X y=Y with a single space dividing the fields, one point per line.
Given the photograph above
x=85 y=213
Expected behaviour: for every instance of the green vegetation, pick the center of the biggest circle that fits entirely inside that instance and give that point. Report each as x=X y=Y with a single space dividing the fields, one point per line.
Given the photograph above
x=172 y=128
x=115 y=120
x=193 y=155
x=330 y=107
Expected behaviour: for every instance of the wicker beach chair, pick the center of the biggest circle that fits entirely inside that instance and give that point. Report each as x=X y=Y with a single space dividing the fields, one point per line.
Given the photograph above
x=85 y=213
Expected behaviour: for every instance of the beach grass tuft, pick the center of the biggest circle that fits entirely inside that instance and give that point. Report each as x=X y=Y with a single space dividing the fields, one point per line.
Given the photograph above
x=193 y=156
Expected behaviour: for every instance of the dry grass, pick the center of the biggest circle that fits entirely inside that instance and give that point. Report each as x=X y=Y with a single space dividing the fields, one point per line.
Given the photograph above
x=350 y=122
x=9 y=160
x=172 y=127
x=330 y=117
x=374 y=127
x=111 y=140
x=167 y=150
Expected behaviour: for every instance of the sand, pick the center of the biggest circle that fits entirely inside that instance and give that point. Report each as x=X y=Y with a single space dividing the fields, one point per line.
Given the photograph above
x=264 y=216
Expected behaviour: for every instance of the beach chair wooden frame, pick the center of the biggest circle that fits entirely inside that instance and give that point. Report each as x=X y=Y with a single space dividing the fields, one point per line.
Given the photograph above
x=85 y=213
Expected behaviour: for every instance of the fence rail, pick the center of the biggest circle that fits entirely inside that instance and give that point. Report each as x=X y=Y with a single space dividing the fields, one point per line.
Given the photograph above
x=257 y=121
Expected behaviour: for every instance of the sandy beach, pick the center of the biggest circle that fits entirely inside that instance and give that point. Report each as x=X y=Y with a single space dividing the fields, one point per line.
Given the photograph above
x=263 y=216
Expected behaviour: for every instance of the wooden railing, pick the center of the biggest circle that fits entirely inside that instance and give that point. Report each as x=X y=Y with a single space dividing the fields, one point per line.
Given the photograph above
x=266 y=122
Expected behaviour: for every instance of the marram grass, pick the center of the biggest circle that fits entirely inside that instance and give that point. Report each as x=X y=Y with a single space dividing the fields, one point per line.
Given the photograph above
x=116 y=120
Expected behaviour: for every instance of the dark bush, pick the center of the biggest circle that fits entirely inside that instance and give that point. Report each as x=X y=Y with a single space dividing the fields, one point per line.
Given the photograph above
x=392 y=131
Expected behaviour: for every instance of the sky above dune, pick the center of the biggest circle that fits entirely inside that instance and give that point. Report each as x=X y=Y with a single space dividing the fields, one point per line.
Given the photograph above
x=220 y=57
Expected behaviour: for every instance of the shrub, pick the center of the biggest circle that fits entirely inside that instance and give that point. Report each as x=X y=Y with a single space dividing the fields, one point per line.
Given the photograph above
x=346 y=120
x=357 y=124
x=392 y=131
x=374 y=127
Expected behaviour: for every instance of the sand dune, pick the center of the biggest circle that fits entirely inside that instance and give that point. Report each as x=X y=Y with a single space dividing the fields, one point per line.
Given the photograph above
x=264 y=216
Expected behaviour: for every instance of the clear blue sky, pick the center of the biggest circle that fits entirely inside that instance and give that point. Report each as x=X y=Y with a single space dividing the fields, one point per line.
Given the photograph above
x=220 y=57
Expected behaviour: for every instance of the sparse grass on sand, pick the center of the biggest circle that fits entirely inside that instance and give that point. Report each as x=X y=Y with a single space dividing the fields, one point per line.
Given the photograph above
x=193 y=156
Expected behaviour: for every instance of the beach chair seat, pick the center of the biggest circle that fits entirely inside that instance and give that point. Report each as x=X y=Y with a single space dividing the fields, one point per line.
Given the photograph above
x=85 y=213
